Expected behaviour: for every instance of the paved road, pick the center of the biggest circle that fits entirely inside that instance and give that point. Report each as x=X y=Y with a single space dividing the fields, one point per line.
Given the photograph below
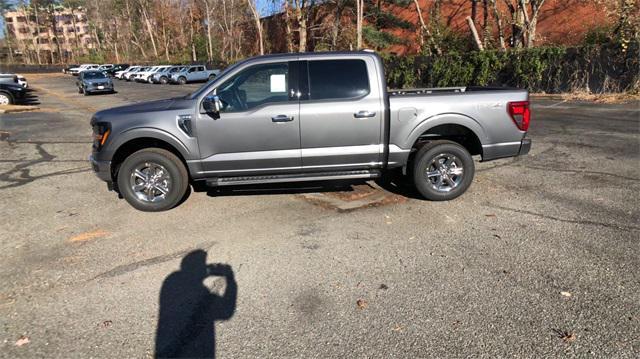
x=539 y=258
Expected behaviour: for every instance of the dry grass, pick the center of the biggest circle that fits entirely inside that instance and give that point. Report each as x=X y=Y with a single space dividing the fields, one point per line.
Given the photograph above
x=16 y=108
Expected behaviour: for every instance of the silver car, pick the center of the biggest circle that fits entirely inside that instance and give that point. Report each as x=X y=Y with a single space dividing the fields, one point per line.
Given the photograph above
x=162 y=76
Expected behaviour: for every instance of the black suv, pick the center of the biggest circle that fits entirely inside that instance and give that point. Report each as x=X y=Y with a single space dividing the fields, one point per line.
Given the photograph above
x=118 y=67
x=11 y=93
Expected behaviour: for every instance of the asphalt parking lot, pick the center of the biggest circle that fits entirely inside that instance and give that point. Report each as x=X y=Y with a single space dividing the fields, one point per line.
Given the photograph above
x=539 y=258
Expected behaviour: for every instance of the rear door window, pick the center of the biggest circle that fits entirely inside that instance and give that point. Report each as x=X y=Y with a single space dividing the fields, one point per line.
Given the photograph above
x=338 y=79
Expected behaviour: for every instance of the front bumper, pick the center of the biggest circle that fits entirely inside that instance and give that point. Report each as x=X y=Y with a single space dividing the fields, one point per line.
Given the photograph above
x=102 y=169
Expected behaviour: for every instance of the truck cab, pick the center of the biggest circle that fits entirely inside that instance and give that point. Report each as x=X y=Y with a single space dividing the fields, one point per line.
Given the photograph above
x=303 y=117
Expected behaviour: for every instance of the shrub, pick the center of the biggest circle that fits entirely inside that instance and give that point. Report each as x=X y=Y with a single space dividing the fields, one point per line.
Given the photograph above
x=598 y=69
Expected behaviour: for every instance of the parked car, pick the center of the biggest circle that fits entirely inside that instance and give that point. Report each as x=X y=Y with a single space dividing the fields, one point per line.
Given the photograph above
x=130 y=76
x=162 y=76
x=193 y=73
x=306 y=117
x=9 y=79
x=94 y=81
x=106 y=67
x=118 y=67
x=76 y=70
x=66 y=69
x=11 y=93
x=120 y=74
x=145 y=75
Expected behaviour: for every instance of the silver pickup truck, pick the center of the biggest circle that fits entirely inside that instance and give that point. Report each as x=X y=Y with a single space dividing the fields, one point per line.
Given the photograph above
x=305 y=117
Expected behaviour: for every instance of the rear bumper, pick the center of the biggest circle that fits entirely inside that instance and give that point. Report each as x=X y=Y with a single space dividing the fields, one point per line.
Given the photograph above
x=505 y=149
x=102 y=169
x=525 y=146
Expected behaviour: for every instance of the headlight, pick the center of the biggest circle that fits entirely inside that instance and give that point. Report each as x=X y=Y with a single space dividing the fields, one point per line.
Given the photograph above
x=101 y=132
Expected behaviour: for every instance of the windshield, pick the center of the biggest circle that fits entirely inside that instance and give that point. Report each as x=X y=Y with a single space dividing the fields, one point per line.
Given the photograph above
x=94 y=75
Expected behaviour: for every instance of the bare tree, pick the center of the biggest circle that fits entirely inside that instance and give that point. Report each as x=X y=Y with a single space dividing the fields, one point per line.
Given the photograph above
x=256 y=19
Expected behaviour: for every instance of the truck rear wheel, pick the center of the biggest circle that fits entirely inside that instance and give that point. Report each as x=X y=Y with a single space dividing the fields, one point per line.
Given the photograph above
x=442 y=170
x=153 y=179
x=182 y=80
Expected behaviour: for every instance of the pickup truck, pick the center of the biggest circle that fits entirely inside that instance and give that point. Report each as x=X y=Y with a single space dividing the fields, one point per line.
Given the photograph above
x=305 y=117
x=194 y=73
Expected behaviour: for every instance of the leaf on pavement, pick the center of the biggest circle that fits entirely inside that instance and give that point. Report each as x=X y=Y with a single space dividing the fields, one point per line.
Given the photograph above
x=362 y=303
x=22 y=341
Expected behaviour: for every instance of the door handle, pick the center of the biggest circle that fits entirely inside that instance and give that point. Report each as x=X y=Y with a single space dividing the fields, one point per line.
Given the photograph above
x=364 y=114
x=282 y=118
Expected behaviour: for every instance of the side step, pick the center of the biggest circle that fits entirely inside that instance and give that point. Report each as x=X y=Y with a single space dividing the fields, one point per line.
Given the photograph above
x=295 y=177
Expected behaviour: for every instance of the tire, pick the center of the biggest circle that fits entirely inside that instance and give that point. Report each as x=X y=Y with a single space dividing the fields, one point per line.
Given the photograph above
x=442 y=170
x=182 y=80
x=211 y=77
x=171 y=175
x=6 y=99
x=80 y=90
x=164 y=80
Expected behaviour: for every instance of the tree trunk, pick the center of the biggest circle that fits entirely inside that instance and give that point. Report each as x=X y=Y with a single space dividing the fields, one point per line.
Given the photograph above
x=209 y=39
x=302 y=25
x=150 y=31
x=474 y=33
x=359 y=18
x=256 y=19
x=287 y=20
x=496 y=14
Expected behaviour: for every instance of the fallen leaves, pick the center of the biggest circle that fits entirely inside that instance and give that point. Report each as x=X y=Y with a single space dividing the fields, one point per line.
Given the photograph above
x=566 y=336
x=23 y=340
x=362 y=304
x=106 y=324
x=82 y=237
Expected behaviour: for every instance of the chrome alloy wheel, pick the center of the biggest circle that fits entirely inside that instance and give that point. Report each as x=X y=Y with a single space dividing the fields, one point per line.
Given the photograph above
x=4 y=99
x=445 y=172
x=150 y=182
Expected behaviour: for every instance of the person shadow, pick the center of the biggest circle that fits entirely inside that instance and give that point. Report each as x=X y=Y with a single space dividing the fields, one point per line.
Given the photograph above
x=188 y=309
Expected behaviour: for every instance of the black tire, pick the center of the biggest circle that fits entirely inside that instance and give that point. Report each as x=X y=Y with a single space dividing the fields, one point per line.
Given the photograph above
x=182 y=80
x=80 y=90
x=7 y=97
x=211 y=77
x=424 y=161
x=164 y=80
x=179 y=178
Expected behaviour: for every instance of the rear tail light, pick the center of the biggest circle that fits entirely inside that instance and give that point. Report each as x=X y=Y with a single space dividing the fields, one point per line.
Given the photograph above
x=520 y=114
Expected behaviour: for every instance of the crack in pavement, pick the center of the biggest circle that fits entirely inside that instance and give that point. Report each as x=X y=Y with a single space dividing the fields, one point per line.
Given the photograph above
x=126 y=268
x=565 y=220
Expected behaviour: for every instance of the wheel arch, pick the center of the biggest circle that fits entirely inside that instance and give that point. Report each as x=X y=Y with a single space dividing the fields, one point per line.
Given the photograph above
x=128 y=147
x=454 y=127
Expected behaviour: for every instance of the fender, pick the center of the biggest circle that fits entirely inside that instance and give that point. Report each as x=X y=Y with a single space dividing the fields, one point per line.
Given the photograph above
x=155 y=133
x=446 y=119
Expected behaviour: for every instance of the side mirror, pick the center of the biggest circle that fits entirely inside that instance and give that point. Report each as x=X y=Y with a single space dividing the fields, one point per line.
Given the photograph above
x=212 y=104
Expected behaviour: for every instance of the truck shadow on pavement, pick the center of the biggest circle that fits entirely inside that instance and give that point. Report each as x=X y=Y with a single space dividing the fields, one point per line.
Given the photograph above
x=189 y=309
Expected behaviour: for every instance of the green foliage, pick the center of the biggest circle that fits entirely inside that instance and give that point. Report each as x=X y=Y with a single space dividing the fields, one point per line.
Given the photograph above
x=378 y=38
x=544 y=69
x=598 y=35
x=93 y=57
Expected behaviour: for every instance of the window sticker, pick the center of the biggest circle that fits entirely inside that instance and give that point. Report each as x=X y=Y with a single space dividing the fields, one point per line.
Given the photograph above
x=278 y=83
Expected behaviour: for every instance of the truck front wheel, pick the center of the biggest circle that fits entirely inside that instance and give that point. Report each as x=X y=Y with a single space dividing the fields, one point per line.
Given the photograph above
x=442 y=170
x=153 y=179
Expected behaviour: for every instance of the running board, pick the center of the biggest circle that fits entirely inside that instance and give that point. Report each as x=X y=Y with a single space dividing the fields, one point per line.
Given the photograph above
x=297 y=177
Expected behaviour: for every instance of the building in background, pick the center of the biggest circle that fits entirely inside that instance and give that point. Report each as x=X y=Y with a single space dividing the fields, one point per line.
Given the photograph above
x=44 y=36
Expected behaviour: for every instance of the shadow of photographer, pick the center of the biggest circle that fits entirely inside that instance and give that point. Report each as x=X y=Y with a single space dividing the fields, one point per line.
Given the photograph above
x=189 y=309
